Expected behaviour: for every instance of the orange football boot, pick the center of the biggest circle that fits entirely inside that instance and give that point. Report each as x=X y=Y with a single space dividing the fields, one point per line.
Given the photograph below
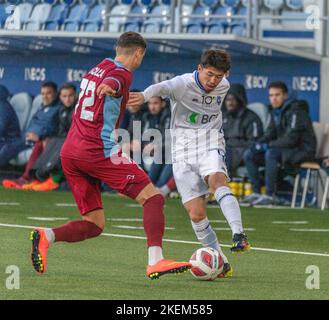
x=40 y=245
x=165 y=266
x=30 y=185
x=47 y=185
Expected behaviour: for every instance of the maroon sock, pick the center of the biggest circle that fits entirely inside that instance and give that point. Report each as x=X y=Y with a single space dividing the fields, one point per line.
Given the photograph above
x=36 y=152
x=171 y=184
x=77 y=231
x=154 y=220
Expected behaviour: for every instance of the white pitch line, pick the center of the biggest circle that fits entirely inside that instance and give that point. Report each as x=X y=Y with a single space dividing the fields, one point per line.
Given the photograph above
x=218 y=221
x=10 y=204
x=229 y=229
x=290 y=222
x=183 y=241
x=65 y=205
x=310 y=230
x=135 y=205
x=137 y=227
x=47 y=218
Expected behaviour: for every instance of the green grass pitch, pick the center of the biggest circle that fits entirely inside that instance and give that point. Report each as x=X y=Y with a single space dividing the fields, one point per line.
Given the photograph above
x=113 y=267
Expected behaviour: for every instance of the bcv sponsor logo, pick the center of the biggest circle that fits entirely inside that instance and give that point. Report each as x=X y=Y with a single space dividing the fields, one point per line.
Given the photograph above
x=305 y=83
x=256 y=82
x=162 y=76
x=35 y=74
x=75 y=74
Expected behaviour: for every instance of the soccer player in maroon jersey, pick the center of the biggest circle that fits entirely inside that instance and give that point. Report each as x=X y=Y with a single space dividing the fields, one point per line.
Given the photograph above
x=91 y=154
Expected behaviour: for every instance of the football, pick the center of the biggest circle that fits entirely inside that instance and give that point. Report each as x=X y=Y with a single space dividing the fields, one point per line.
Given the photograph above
x=207 y=264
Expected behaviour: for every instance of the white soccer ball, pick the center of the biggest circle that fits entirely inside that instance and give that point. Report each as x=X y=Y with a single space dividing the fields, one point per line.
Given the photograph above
x=207 y=264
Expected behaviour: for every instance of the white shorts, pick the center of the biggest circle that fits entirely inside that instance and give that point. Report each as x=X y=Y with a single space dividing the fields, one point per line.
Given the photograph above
x=189 y=177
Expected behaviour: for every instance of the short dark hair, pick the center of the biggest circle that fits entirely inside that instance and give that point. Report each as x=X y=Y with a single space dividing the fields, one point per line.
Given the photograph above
x=130 y=41
x=279 y=85
x=216 y=58
x=50 y=84
x=68 y=85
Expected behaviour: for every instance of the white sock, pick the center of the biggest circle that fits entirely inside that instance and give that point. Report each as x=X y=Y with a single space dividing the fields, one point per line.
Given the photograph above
x=50 y=235
x=207 y=236
x=164 y=190
x=155 y=255
x=230 y=208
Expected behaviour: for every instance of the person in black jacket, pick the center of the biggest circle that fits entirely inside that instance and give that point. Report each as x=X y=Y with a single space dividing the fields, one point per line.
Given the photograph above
x=132 y=118
x=158 y=118
x=288 y=141
x=241 y=126
x=10 y=132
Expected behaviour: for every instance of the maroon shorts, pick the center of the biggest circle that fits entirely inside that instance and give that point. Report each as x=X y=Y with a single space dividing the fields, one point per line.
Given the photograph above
x=85 y=177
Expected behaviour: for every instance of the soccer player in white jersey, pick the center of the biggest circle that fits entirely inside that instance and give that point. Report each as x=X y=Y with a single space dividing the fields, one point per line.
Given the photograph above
x=199 y=160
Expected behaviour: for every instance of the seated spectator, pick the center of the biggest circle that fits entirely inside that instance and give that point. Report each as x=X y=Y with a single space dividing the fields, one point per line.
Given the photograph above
x=241 y=126
x=158 y=117
x=288 y=141
x=47 y=171
x=10 y=132
x=43 y=125
x=130 y=117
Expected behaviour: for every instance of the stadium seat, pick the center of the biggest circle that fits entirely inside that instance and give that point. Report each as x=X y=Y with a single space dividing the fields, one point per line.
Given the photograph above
x=19 y=17
x=89 y=3
x=197 y=25
x=118 y=16
x=186 y=11
x=3 y=14
x=22 y=103
x=312 y=168
x=239 y=30
x=77 y=14
x=157 y=24
x=262 y=112
x=195 y=28
x=216 y=28
x=25 y=109
x=274 y=4
x=230 y=3
x=132 y=26
x=209 y=3
x=56 y=16
x=223 y=11
x=36 y=104
x=39 y=16
x=135 y=23
x=190 y=2
x=294 y=4
x=94 y=20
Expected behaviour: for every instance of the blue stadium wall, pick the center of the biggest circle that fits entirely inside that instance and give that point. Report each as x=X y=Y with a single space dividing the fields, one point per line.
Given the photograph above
x=25 y=72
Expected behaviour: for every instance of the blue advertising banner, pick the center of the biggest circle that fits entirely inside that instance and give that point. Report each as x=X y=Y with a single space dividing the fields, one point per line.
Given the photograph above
x=26 y=62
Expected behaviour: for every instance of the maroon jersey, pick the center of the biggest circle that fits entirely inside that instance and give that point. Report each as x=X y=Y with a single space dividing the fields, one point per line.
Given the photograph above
x=92 y=134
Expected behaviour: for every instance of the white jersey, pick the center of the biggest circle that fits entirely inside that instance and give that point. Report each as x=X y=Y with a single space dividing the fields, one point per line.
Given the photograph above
x=196 y=120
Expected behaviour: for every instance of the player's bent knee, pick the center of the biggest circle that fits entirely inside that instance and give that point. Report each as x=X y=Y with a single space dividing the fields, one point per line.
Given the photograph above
x=148 y=192
x=97 y=217
x=216 y=180
x=196 y=213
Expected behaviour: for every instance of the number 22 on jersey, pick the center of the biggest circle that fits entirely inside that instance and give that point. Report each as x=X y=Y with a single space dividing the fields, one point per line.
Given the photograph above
x=86 y=99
